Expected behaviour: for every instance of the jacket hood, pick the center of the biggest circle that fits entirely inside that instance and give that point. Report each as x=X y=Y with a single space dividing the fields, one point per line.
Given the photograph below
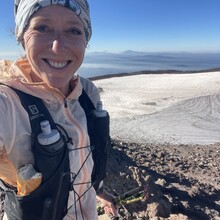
x=18 y=75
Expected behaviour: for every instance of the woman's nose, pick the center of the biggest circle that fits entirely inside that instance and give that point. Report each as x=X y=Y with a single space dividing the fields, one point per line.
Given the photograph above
x=58 y=45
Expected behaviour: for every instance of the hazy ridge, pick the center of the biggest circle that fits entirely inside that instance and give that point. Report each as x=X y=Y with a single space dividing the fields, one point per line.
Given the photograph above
x=106 y=63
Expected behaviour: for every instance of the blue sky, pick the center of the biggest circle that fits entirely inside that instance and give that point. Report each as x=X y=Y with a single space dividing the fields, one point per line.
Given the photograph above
x=140 y=25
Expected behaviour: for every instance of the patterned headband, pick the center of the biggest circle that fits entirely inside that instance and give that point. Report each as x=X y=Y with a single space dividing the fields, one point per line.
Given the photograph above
x=24 y=9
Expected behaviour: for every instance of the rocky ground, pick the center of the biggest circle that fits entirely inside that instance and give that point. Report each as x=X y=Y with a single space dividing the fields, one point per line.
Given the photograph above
x=183 y=181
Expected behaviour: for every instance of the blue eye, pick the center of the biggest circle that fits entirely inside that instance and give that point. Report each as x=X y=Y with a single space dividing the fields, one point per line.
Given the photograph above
x=42 y=28
x=74 y=31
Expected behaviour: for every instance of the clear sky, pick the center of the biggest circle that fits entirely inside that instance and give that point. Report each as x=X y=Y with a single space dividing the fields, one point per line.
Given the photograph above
x=140 y=25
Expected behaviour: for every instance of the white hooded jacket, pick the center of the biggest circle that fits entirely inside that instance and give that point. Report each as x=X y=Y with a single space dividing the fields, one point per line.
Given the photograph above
x=15 y=129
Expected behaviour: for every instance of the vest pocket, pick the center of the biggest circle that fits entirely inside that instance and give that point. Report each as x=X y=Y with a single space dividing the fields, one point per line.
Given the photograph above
x=46 y=202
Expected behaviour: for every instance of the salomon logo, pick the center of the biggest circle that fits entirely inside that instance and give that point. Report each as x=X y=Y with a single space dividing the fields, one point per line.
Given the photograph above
x=33 y=109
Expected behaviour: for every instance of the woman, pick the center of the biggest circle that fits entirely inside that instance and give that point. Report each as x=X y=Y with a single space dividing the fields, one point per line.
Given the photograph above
x=54 y=35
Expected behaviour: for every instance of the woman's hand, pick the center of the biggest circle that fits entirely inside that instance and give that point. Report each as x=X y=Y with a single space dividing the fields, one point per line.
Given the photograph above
x=106 y=201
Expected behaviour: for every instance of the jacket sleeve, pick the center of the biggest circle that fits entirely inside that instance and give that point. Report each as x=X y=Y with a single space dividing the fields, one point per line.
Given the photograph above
x=7 y=134
x=7 y=130
x=15 y=129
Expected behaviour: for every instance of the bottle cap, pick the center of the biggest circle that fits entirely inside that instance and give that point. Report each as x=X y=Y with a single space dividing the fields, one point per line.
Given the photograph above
x=99 y=105
x=45 y=127
x=48 y=136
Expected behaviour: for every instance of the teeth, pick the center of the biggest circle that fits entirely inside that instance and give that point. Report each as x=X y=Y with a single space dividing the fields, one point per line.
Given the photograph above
x=58 y=65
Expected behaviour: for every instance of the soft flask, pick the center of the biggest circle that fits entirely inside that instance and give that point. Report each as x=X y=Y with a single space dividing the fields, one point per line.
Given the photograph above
x=50 y=143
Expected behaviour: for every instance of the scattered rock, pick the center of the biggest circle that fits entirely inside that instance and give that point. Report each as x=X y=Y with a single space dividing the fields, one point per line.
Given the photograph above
x=183 y=181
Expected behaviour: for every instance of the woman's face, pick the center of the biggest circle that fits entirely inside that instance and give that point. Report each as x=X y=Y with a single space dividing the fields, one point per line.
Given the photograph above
x=55 y=45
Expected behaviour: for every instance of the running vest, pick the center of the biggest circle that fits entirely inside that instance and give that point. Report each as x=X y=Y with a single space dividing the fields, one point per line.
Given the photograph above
x=49 y=200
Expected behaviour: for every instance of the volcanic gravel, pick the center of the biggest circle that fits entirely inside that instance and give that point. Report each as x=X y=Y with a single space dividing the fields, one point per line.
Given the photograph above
x=183 y=181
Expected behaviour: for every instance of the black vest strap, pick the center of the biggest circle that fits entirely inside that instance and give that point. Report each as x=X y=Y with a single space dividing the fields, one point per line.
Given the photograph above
x=86 y=103
x=36 y=110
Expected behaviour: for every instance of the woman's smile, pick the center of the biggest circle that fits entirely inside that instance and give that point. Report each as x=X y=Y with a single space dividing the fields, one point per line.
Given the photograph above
x=57 y=64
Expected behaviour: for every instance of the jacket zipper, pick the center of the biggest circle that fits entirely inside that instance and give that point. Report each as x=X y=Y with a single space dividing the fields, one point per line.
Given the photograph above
x=65 y=103
x=82 y=135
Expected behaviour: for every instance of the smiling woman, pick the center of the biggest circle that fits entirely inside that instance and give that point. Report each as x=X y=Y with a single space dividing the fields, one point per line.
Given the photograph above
x=54 y=35
x=55 y=46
